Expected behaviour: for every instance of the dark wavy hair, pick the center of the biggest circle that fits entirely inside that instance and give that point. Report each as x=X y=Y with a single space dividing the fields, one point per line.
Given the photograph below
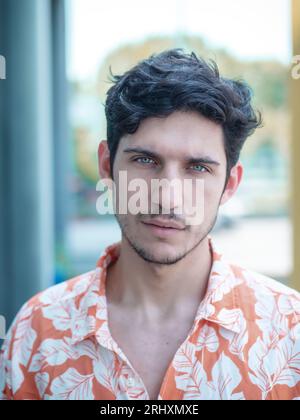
x=177 y=81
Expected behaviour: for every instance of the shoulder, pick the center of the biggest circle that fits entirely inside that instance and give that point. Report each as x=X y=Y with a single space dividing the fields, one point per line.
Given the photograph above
x=264 y=286
x=54 y=305
x=67 y=290
x=47 y=317
x=273 y=305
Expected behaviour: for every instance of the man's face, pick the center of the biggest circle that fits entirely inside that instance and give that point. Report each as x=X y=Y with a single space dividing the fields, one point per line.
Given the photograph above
x=182 y=146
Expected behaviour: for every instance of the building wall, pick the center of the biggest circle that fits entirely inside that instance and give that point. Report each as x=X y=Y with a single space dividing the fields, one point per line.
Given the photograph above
x=26 y=140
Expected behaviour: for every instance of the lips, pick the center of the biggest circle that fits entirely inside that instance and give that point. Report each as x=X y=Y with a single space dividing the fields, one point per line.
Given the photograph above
x=170 y=224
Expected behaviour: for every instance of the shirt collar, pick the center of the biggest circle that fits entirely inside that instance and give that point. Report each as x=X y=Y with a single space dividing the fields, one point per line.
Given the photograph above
x=219 y=305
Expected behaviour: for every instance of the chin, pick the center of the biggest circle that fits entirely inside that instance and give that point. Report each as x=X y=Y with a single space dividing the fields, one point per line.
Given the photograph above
x=160 y=253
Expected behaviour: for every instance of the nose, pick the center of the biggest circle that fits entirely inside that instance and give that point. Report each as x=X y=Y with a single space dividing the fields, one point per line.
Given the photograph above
x=167 y=191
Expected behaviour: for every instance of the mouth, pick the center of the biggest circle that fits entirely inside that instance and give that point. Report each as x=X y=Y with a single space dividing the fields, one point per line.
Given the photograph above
x=164 y=229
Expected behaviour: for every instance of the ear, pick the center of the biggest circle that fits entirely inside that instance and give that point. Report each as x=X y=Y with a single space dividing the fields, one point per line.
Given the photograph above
x=104 y=160
x=233 y=182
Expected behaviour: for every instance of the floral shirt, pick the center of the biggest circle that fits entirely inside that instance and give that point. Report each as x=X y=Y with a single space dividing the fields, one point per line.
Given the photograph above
x=244 y=343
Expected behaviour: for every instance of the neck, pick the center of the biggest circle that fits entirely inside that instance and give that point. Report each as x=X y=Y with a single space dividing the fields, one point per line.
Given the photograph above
x=155 y=292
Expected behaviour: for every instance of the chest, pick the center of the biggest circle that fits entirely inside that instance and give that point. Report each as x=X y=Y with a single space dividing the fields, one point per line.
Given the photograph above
x=149 y=350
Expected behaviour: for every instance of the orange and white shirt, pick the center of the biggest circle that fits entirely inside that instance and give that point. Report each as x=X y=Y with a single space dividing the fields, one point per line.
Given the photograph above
x=244 y=343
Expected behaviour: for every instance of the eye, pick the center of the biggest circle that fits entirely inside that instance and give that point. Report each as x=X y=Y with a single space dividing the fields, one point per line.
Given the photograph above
x=200 y=168
x=144 y=160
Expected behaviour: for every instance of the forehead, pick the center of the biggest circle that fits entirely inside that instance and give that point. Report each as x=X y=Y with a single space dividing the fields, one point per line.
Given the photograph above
x=179 y=134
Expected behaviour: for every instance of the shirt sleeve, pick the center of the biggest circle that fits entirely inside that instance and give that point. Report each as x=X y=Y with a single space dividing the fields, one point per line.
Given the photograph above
x=15 y=354
x=5 y=365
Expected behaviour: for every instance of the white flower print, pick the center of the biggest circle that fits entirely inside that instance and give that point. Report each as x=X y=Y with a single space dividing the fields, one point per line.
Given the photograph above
x=207 y=339
x=71 y=385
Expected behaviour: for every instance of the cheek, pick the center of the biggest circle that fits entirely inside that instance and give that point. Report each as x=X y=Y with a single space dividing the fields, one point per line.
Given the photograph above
x=212 y=197
x=206 y=193
x=134 y=194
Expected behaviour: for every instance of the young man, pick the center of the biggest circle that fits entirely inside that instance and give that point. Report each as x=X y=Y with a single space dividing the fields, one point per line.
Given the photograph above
x=164 y=315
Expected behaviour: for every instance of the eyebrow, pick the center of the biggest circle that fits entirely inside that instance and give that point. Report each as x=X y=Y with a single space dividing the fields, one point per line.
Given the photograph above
x=188 y=159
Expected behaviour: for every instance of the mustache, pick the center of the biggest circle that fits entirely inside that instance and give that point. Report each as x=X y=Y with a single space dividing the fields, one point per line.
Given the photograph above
x=166 y=217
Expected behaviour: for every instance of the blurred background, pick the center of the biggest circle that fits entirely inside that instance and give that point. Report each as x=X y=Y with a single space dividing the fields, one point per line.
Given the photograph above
x=57 y=56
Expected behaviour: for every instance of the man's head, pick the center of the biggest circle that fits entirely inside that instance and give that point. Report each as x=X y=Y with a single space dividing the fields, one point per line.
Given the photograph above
x=174 y=117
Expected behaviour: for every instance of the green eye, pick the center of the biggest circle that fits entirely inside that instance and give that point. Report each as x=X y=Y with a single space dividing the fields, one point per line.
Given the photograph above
x=144 y=160
x=200 y=168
